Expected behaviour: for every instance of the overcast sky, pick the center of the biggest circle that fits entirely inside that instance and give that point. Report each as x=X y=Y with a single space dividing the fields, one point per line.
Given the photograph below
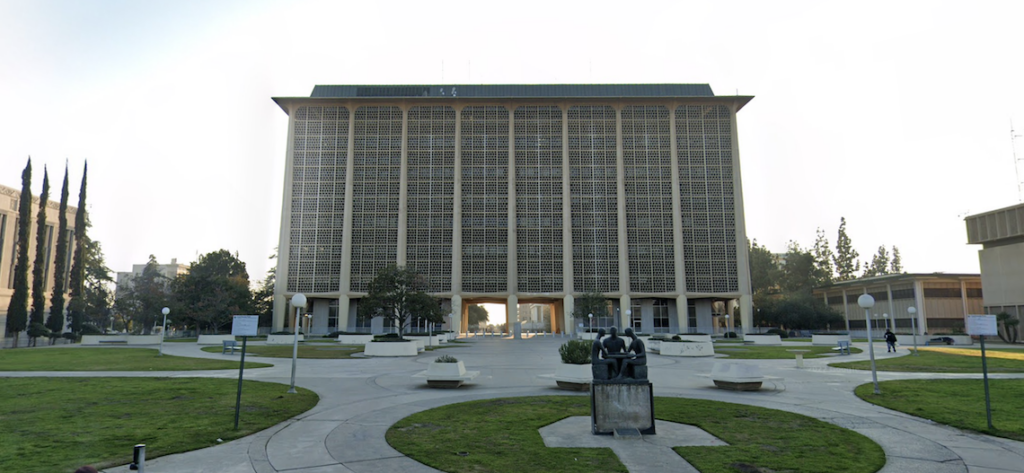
x=895 y=115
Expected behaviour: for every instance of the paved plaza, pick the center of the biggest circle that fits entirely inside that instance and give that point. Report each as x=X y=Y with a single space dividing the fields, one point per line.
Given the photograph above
x=361 y=398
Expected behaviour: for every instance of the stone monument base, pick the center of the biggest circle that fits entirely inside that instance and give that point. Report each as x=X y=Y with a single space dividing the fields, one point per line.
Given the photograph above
x=616 y=406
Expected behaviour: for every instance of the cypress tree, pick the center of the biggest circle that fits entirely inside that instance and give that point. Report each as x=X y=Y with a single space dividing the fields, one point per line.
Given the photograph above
x=56 y=320
x=39 y=265
x=17 y=311
x=846 y=260
x=77 y=305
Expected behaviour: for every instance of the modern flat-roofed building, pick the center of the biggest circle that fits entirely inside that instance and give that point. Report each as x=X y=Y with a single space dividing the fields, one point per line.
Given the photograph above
x=9 y=203
x=1001 y=236
x=517 y=194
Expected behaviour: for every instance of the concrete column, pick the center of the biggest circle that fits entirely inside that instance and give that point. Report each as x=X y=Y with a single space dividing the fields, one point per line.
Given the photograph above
x=457 y=314
x=567 y=269
x=457 y=210
x=624 y=305
x=511 y=312
x=403 y=193
x=284 y=242
x=892 y=310
x=746 y=312
x=846 y=312
x=922 y=316
x=513 y=267
x=343 y=313
x=620 y=186
x=963 y=299
x=567 y=309
x=677 y=219
x=683 y=313
x=742 y=252
x=345 y=280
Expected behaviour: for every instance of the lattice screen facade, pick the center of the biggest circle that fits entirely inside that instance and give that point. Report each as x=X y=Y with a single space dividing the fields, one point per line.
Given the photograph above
x=376 y=160
x=647 y=163
x=706 y=186
x=538 y=152
x=592 y=161
x=484 y=144
x=431 y=188
x=320 y=156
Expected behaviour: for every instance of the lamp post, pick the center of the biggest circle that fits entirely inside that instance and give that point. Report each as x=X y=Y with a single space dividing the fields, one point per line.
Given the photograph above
x=629 y=317
x=913 y=325
x=591 y=317
x=299 y=303
x=867 y=302
x=886 y=317
x=727 y=325
x=163 y=329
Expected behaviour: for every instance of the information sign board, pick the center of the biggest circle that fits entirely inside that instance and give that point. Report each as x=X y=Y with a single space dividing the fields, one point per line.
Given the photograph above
x=981 y=325
x=245 y=325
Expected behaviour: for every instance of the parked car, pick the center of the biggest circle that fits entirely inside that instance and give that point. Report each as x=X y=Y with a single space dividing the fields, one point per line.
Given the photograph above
x=938 y=340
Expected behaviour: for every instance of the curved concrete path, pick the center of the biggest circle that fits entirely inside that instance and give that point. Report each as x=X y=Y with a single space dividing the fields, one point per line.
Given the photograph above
x=360 y=399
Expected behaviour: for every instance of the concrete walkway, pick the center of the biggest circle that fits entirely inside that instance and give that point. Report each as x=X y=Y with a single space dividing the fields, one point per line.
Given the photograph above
x=360 y=399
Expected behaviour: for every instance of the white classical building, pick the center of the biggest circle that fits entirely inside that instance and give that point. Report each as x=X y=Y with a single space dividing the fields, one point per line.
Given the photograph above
x=517 y=194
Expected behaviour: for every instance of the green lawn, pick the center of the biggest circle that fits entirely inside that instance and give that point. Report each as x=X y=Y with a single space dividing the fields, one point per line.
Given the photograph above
x=306 y=350
x=500 y=435
x=761 y=352
x=60 y=424
x=75 y=358
x=956 y=402
x=933 y=362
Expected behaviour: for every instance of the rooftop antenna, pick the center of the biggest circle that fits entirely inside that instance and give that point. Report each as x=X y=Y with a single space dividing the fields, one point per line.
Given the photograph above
x=1016 y=162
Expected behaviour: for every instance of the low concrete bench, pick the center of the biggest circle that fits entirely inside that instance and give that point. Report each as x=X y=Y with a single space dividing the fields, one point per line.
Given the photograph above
x=116 y=342
x=738 y=377
x=844 y=347
x=229 y=345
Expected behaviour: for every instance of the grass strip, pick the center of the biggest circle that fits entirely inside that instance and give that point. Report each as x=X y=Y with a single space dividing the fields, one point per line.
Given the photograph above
x=502 y=435
x=760 y=352
x=332 y=352
x=74 y=358
x=958 y=403
x=936 y=362
x=60 y=424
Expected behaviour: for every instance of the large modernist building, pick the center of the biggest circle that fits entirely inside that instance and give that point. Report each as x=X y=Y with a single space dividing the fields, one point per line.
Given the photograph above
x=517 y=194
x=1001 y=234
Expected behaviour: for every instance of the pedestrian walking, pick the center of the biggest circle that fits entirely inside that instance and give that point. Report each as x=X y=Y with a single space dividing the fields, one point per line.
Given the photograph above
x=890 y=341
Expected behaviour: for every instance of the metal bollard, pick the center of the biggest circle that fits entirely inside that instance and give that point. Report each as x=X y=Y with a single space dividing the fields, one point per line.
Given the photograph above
x=138 y=459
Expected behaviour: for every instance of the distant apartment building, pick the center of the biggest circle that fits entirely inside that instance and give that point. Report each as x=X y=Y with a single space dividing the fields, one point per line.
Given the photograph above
x=10 y=199
x=169 y=271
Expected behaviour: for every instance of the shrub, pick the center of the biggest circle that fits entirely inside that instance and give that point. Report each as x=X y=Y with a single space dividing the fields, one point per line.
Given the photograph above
x=730 y=335
x=778 y=331
x=446 y=359
x=677 y=338
x=388 y=337
x=70 y=336
x=287 y=332
x=38 y=330
x=575 y=352
x=90 y=329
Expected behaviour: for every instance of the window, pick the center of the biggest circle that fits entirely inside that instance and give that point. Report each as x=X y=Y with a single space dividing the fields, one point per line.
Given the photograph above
x=661 y=323
x=636 y=317
x=691 y=315
x=332 y=316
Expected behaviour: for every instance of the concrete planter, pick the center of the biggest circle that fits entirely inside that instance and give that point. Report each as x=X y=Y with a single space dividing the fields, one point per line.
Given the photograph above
x=762 y=339
x=96 y=340
x=144 y=339
x=828 y=340
x=436 y=369
x=687 y=349
x=695 y=337
x=425 y=341
x=447 y=375
x=283 y=339
x=653 y=346
x=214 y=339
x=407 y=348
x=355 y=339
x=574 y=377
x=908 y=341
x=737 y=377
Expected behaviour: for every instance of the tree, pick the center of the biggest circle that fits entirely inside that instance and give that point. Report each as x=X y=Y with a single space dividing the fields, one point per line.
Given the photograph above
x=895 y=265
x=799 y=274
x=845 y=259
x=590 y=303
x=215 y=288
x=800 y=311
x=55 y=322
x=477 y=315
x=879 y=263
x=823 y=257
x=77 y=305
x=263 y=296
x=141 y=297
x=97 y=298
x=38 y=276
x=764 y=270
x=17 y=310
x=398 y=294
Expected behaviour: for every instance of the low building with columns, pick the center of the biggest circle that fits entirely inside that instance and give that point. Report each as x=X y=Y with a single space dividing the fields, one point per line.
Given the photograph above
x=517 y=194
x=941 y=301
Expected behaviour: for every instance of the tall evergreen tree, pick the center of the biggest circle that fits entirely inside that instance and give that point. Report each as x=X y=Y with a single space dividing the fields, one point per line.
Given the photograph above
x=823 y=256
x=17 y=311
x=56 y=320
x=879 y=263
x=77 y=306
x=37 y=316
x=895 y=265
x=764 y=270
x=845 y=259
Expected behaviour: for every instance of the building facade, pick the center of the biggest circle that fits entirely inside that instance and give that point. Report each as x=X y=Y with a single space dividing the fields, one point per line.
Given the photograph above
x=516 y=194
x=168 y=271
x=10 y=199
x=942 y=301
x=1001 y=257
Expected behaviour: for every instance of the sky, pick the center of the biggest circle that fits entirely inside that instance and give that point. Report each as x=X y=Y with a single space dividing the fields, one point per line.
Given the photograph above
x=894 y=115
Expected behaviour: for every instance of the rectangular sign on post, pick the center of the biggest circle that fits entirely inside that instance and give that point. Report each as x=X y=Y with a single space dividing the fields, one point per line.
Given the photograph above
x=982 y=325
x=245 y=325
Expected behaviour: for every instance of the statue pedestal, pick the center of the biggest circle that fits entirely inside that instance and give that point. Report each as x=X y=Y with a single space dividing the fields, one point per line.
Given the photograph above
x=615 y=406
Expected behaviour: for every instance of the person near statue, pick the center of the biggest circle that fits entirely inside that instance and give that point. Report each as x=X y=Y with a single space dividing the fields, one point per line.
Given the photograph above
x=603 y=368
x=638 y=357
